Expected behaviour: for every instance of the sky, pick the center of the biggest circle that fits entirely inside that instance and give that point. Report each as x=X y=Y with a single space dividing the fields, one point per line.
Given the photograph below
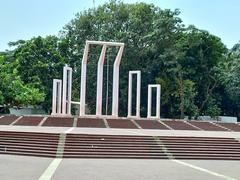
x=24 y=19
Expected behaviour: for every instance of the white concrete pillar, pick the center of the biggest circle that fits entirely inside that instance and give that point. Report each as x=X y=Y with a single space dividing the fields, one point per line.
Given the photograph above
x=115 y=93
x=100 y=77
x=83 y=80
x=57 y=97
x=138 y=73
x=100 y=81
x=149 y=112
x=67 y=90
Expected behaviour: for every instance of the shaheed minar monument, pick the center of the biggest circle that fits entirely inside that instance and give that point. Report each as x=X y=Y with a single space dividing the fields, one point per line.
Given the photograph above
x=62 y=89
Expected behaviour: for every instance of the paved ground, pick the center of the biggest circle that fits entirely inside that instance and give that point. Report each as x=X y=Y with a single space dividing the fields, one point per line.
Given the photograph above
x=24 y=168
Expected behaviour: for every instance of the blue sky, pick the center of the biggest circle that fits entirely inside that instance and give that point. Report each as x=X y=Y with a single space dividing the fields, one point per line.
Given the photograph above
x=23 y=19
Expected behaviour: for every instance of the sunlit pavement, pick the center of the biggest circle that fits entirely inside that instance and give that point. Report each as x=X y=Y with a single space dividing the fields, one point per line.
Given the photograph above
x=23 y=167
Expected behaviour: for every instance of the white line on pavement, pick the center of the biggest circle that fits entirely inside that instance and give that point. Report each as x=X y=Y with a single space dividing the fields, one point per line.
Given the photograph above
x=48 y=173
x=193 y=166
x=203 y=170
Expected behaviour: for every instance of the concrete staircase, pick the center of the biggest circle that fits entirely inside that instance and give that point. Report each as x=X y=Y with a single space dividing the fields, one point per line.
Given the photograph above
x=27 y=143
x=118 y=146
x=112 y=146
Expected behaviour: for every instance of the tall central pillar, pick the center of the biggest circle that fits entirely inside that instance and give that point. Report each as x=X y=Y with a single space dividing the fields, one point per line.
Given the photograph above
x=100 y=77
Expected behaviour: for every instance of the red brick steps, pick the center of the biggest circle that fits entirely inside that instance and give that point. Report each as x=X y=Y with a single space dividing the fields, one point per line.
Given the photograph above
x=58 y=122
x=90 y=122
x=29 y=121
x=232 y=126
x=117 y=123
x=118 y=146
x=7 y=120
x=145 y=124
x=179 y=125
x=207 y=126
x=28 y=144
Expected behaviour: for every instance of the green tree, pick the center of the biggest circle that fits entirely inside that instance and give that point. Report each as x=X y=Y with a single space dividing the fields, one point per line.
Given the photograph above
x=158 y=44
x=148 y=32
x=39 y=61
x=13 y=92
x=186 y=61
x=203 y=54
x=229 y=76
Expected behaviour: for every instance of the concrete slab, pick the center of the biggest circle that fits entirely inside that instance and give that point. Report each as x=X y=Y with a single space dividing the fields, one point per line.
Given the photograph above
x=34 y=129
x=22 y=167
x=147 y=132
x=28 y=168
x=118 y=169
x=228 y=168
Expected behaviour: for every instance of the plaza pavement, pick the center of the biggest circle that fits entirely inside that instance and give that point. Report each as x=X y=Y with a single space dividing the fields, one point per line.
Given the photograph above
x=24 y=167
x=30 y=168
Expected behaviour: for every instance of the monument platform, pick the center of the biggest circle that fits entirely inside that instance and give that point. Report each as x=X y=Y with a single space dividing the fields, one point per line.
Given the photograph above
x=128 y=123
x=118 y=138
